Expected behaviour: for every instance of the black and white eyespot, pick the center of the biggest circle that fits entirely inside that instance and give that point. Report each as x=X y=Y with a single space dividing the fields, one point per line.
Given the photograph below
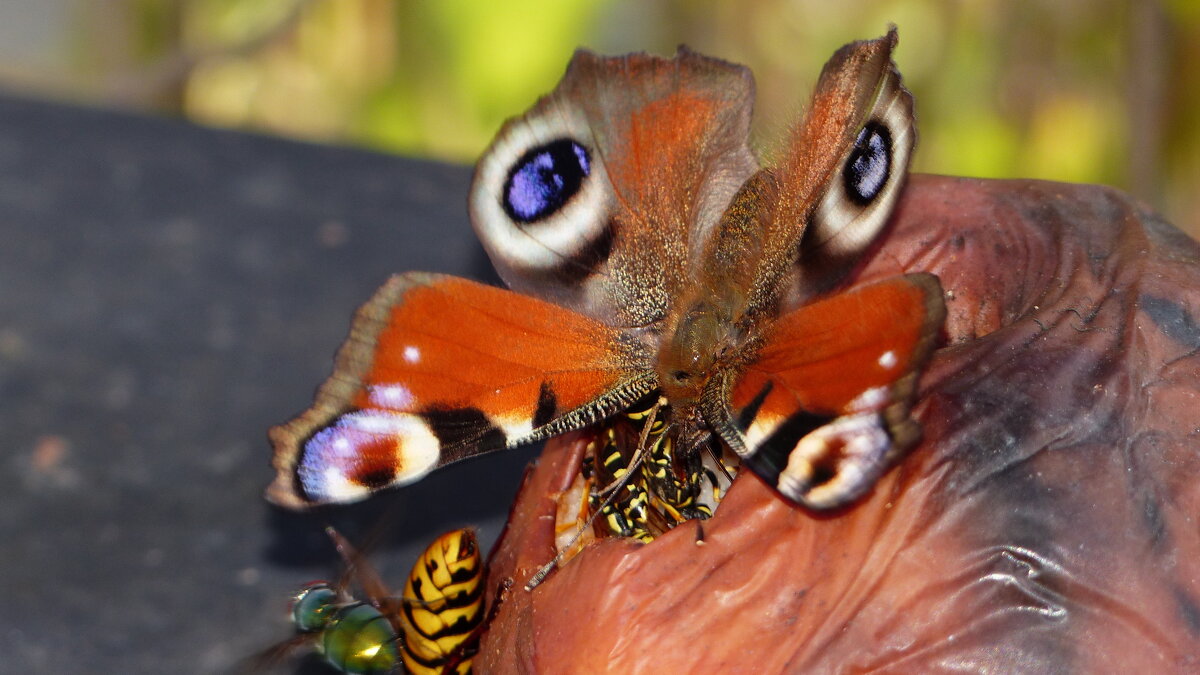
x=540 y=197
x=544 y=179
x=866 y=170
x=859 y=199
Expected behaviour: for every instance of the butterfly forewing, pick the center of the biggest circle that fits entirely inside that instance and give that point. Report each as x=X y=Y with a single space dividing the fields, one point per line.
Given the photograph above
x=602 y=196
x=438 y=368
x=859 y=197
x=795 y=230
x=823 y=405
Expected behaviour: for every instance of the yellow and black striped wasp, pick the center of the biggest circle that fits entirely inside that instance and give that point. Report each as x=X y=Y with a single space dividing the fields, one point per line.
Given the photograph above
x=637 y=486
x=443 y=608
x=632 y=484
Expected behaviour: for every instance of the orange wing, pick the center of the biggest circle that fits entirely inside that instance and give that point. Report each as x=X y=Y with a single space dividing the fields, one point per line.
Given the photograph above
x=437 y=369
x=825 y=405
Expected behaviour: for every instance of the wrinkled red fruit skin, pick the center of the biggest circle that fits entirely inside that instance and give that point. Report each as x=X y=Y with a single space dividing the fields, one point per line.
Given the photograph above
x=1048 y=522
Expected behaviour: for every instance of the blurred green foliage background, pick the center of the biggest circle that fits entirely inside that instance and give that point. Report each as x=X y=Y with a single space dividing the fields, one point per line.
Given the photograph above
x=1104 y=91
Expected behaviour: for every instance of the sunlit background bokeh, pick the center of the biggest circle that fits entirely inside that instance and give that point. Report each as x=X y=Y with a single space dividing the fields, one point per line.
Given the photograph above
x=1104 y=91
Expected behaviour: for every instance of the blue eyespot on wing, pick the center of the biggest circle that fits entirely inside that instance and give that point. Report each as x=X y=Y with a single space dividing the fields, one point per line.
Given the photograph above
x=869 y=165
x=544 y=179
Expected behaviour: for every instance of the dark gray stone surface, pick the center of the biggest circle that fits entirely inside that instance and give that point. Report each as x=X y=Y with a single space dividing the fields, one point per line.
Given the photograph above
x=167 y=292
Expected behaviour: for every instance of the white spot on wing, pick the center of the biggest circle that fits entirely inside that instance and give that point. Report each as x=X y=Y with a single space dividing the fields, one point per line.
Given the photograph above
x=412 y=354
x=392 y=396
x=515 y=428
x=762 y=427
x=888 y=359
x=871 y=399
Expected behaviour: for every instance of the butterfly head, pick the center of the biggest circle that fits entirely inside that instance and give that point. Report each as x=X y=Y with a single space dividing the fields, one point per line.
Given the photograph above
x=703 y=341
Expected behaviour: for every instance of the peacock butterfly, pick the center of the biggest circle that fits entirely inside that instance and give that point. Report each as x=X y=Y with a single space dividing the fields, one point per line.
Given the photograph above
x=650 y=255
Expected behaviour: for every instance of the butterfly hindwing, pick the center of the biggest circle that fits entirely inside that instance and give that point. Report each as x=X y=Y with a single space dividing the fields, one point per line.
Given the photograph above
x=824 y=405
x=438 y=368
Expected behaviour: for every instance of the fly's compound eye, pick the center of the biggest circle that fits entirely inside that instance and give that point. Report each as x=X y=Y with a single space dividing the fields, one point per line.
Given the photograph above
x=313 y=607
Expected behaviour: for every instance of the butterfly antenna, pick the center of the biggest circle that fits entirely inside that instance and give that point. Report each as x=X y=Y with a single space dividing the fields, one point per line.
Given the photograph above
x=641 y=453
x=610 y=494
